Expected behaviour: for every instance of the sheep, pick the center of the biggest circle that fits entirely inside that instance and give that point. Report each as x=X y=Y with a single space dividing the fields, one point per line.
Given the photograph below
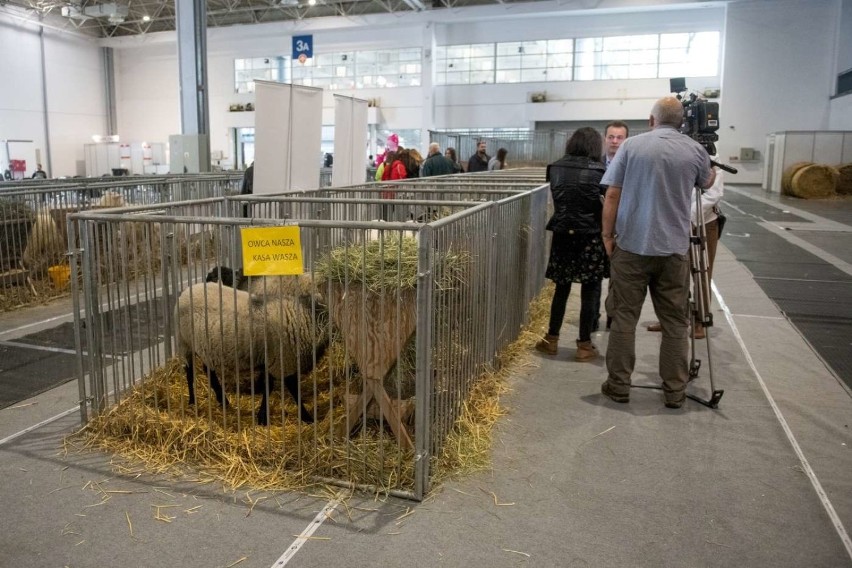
x=237 y=334
x=46 y=244
x=228 y=277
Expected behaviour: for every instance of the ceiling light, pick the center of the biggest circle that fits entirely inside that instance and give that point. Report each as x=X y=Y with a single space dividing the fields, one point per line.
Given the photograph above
x=312 y=2
x=146 y=18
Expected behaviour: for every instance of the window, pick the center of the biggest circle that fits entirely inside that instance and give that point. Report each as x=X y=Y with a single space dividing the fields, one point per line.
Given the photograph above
x=331 y=71
x=246 y=71
x=618 y=57
x=529 y=61
x=689 y=54
x=583 y=59
x=388 y=68
x=464 y=64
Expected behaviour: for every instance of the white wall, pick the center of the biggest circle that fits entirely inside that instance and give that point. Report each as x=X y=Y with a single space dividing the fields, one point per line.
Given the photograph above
x=780 y=59
x=148 y=81
x=75 y=95
x=147 y=92
x=841 y=107
x=21 y=116
x=778 y=73
x=844 y=39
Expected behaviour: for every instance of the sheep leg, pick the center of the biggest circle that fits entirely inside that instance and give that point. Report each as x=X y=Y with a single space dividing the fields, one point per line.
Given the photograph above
x=292 y=384
x=216 y=385
x=190 y=378
x=260 y=386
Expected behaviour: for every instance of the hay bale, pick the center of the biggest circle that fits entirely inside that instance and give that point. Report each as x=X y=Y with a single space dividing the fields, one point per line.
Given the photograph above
x=844 y=179
x=787 y=177
x=814 y=182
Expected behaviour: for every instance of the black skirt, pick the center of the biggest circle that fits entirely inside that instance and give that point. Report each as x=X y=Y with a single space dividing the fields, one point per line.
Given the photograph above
x=577 y=258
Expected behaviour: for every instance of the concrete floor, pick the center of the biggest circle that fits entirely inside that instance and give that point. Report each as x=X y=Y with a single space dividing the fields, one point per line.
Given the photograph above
x=577 y=480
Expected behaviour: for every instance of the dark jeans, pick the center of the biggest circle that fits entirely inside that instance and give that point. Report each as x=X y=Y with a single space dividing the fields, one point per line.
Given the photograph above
x=589 y=293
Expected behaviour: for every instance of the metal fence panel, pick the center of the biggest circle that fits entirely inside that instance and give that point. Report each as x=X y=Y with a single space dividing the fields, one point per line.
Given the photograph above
x=422 y=346
x=33 y=223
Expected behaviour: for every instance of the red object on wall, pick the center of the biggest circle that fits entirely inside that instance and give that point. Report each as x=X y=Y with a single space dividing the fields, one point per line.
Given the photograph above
x=18 y=166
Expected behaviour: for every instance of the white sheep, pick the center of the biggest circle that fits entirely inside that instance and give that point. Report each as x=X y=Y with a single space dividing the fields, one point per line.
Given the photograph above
x=240 y=336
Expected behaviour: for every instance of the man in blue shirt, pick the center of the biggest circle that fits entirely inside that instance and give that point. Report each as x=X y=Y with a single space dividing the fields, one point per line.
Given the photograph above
x=646 y=228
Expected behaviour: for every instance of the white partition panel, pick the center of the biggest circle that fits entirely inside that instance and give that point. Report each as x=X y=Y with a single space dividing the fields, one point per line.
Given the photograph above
x=306 y=138
x=272 y=137
x=350 y=134
x=288 y=131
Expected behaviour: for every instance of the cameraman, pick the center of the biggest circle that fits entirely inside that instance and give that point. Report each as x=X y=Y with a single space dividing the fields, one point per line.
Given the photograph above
x=712 y=230
x=646 y=226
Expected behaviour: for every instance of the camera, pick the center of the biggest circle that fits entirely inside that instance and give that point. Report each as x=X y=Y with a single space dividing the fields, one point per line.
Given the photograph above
x=700 y=116
x=700 y=120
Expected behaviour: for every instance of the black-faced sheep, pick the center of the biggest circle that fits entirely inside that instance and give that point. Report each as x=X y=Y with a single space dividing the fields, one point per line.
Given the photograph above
x=243 y=338
x=228 y=277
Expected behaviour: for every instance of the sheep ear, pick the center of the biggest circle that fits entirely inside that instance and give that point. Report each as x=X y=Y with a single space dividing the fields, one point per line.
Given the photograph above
x=308 y=301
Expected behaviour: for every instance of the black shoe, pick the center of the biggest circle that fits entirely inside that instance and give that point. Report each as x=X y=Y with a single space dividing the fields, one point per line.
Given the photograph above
x=675 y=403
x=606 y=390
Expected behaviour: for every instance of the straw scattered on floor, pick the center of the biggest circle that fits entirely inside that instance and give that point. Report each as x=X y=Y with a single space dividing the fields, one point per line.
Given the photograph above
x=156 y=429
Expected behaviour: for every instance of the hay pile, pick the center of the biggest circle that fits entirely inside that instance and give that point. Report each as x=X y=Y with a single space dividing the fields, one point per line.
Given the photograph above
x=156 y=426
x=390 y=263
x=816 y=181
x=844 y=179
x=787 y=176
x=18 y=296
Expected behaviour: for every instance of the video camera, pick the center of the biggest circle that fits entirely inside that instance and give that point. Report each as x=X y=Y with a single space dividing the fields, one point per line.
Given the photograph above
x=700 y=118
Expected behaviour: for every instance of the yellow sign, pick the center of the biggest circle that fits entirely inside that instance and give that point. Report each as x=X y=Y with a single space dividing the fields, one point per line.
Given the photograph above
x=271 y=251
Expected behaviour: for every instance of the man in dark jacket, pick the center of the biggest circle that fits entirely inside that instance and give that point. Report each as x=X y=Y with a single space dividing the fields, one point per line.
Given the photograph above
x=248 y=181
x=436 y=164
x=479 y=161
x=39 y=173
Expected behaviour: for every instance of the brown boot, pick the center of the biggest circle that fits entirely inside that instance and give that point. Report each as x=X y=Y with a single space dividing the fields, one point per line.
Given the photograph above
x=548 y=345
x=586 y=351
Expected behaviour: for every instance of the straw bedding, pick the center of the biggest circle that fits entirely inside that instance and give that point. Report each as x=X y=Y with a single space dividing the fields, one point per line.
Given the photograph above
x=154 y=425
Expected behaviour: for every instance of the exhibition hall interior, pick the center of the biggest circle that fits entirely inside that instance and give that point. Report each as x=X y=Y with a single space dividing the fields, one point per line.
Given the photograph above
x=281 y=283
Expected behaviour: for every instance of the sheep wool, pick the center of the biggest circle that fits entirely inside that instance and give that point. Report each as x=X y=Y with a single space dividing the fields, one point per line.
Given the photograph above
x=234 y=333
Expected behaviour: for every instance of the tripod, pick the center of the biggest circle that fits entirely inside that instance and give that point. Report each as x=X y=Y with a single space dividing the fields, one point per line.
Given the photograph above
x=699 y=302
x=699 y=305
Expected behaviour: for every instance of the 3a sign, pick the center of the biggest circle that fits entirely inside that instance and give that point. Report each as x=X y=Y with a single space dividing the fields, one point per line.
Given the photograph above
x=303 y=47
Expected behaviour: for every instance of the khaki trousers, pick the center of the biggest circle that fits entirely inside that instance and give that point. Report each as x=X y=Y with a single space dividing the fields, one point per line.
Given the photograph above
x=712 y=233
x=667 y=277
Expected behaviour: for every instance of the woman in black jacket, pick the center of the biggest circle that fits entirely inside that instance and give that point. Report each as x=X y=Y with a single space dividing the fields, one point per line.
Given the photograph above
x=577 y=253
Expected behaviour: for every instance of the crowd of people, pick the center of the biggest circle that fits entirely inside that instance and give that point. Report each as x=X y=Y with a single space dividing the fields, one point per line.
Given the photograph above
x=398 y=162
x=624 y=209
